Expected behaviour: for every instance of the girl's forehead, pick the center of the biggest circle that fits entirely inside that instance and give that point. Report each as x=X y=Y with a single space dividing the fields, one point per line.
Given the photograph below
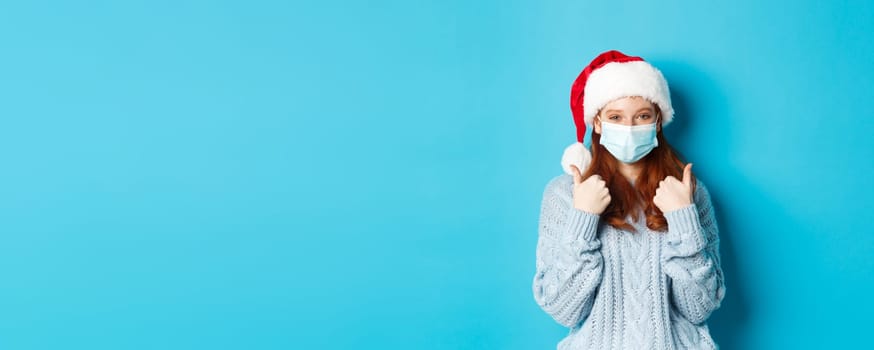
x=631 y=102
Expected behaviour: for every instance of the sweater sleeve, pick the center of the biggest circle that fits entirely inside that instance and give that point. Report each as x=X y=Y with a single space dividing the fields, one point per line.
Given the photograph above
x=569 y=265
x=691 y=258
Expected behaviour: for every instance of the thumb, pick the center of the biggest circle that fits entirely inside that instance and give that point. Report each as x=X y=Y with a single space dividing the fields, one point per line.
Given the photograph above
x=578 y=178
x=687 y=175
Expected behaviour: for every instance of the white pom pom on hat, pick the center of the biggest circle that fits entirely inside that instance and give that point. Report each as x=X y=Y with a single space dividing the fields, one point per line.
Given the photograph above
x=611 y=75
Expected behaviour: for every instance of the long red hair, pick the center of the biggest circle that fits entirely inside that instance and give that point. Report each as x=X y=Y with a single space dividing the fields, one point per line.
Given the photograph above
x=661 y=162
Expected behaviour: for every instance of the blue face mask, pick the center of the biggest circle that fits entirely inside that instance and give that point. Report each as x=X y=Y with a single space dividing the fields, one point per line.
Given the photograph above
x=629 y=143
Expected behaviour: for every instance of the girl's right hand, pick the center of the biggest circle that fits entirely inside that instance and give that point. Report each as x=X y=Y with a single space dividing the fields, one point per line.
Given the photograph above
x=590 y=195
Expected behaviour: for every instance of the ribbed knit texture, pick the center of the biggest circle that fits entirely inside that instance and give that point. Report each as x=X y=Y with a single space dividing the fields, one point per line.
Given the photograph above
x=616 y=289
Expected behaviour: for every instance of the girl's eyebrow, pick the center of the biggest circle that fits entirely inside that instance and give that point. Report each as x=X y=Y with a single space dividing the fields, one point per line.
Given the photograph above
x=618 y=111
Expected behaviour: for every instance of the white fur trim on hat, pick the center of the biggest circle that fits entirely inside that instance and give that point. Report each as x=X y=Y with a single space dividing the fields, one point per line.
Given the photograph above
x=622 y=79
x=576 y=154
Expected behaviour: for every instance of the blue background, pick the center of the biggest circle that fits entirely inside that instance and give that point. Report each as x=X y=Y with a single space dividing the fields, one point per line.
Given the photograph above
x=333 y=175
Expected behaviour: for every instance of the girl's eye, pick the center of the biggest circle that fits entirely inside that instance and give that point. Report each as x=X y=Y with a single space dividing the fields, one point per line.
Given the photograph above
x=644 y=116
x=613 y=117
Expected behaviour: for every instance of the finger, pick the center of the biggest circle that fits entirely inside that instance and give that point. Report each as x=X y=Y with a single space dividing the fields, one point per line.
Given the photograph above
x=687 y=175
x=578 y=178
x=595 y=179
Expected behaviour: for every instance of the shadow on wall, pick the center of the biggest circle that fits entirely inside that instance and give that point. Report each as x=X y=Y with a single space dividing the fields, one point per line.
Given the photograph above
x=691 y=90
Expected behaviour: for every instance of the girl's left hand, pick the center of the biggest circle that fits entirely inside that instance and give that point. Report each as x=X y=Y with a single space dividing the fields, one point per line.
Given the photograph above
x=673 y=194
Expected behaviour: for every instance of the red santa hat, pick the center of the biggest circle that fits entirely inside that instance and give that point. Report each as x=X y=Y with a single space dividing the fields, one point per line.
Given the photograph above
x=610 y=76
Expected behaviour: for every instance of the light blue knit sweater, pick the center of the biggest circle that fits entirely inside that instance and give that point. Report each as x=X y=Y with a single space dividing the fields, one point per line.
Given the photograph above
x=620 y=290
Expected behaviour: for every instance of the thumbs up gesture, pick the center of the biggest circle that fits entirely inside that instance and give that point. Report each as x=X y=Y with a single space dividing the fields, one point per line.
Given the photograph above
x=590 y=195
x=673 y=194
